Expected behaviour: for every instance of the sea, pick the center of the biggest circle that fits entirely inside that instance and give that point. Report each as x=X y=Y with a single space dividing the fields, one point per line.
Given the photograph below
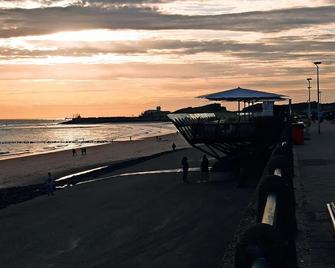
x=28 y=137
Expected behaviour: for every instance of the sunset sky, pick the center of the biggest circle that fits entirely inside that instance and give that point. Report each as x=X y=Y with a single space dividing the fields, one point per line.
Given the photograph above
x=120 y=57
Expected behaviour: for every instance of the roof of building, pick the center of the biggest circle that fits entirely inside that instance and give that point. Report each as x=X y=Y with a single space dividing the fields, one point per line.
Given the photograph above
x=242 y=94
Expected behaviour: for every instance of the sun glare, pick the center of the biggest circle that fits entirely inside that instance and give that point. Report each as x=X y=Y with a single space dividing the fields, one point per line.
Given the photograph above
x=90 y=36
x=31 y=4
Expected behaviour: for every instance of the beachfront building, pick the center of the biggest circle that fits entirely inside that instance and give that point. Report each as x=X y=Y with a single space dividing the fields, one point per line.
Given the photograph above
x=247 y=97
x=233 y=133
x=156 y=114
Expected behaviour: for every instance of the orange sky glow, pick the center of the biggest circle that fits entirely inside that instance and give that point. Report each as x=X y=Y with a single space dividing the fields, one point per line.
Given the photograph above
x=107 y=58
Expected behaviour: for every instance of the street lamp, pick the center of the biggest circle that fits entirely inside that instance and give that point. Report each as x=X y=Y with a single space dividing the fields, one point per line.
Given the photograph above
x=317 y=63
x=309 y=98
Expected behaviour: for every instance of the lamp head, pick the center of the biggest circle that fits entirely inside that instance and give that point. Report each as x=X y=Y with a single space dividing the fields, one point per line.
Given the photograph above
x=309 y=79
x=317 y=62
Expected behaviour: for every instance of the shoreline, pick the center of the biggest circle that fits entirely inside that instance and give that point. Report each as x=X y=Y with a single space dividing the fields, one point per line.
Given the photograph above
x=33 y=169
x=135 y=137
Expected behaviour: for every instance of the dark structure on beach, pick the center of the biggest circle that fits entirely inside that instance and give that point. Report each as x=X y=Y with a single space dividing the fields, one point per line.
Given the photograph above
x=233 y=134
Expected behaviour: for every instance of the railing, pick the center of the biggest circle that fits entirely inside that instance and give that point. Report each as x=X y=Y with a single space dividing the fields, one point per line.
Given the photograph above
x=331 y=210
x=270 y=242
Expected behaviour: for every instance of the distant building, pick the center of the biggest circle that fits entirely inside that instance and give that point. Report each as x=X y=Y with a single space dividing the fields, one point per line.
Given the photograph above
x=157 y=114
x=76 y=116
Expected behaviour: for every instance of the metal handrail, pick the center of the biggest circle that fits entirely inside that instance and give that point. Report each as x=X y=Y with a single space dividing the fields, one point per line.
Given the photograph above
x=269 y=217
x=270 y=210
x=270 y=221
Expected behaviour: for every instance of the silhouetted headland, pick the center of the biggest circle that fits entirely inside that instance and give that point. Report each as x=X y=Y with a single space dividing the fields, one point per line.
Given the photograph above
x=156 y=115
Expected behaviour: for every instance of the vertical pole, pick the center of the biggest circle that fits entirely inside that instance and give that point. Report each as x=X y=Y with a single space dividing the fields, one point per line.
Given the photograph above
x=309 y=102
x=244 y=115
x=249 y=110
x=309 y=99
x=290 y=107
x=318 y=85
x=238 y=110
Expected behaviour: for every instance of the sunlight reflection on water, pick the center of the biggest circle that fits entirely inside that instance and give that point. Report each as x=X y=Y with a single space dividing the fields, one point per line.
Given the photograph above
x=49 y=135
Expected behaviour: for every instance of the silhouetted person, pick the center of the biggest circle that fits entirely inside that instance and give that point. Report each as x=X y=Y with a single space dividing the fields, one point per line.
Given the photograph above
x=83 y=151
x=173 y=147
x=204 y=168
x=185 y=165
x=50 y=185
x=74 y=152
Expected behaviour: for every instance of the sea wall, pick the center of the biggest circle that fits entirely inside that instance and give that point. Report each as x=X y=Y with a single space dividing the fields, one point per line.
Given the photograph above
x=281 y=156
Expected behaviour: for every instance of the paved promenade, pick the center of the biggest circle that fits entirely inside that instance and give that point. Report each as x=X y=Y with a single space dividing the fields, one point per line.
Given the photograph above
x=316 y=165
x=143 y=220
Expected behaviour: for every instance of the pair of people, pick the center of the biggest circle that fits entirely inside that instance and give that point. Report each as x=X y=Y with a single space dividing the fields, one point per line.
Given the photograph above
x=204 y=167
x=83 y=151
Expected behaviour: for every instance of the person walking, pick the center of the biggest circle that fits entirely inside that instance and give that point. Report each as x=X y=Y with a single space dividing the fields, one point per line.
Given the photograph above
x=50 y=185
x=185 y=166
x=74 y=152
x=204 y=169
x=173 y=147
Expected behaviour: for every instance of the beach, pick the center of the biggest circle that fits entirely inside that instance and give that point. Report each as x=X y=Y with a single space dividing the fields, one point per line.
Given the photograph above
x=33 y=169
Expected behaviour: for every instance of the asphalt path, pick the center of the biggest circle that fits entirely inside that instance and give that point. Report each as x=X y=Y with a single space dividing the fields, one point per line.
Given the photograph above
x=148 y=220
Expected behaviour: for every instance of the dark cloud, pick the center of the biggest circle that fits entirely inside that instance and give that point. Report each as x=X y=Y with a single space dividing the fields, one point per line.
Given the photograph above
x=21 y=22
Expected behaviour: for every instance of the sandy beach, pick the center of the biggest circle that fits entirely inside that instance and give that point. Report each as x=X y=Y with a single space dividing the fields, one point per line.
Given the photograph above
x=33 y=169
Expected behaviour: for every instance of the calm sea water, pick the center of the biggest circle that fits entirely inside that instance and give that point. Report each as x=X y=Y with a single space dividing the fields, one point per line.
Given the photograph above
x=26 y=137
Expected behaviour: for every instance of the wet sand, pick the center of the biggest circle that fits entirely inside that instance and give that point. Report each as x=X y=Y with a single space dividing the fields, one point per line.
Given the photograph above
x=33 y=169
x=141 y=221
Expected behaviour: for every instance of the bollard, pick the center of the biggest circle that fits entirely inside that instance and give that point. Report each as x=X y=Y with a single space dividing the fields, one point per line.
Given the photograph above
x=261 y=241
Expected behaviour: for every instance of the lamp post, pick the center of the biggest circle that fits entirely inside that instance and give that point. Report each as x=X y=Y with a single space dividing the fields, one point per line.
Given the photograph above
x=309 y=98
x=317 y=63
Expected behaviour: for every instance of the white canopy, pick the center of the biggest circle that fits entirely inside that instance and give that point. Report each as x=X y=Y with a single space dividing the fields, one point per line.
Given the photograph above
x=242 y=94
